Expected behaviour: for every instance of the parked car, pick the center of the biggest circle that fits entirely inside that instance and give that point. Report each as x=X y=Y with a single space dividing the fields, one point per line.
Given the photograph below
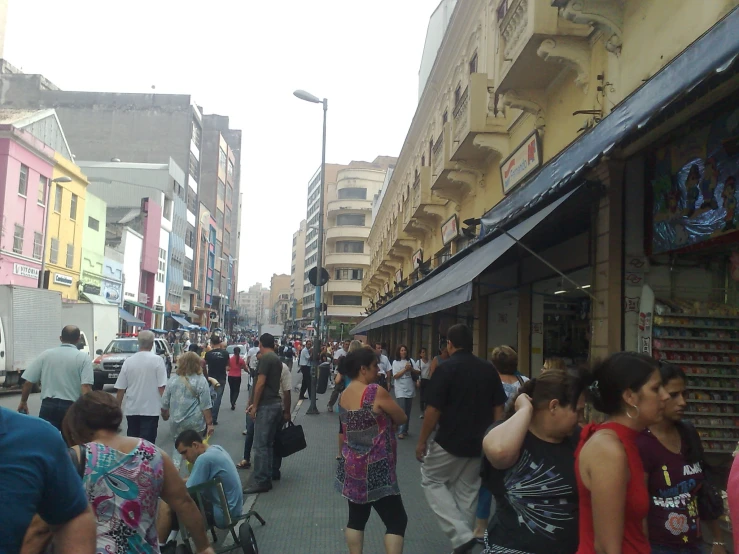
x=244 y=349
x=107 y=366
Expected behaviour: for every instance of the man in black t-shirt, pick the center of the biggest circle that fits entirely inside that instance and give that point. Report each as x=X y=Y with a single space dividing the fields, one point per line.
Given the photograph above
x=217 y=362
x=465 y=395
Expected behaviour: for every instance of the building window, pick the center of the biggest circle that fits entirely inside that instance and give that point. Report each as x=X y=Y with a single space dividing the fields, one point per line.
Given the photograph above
x=350 y=246
x=58 y=199
x=192 y=204
x=348 y=274
x=23 y=181
x=42 y=183
x=194 y=167
x=228 y=216
x=219 y=219
x=196 y=134
x=38 y=244
x=70 y=255
x=353 y=193
x=162 y=265
x=18 y=239
x=350 y=219
x=457 y=94
x=93 y=223
x=445 y=117
x=190 y=236
x=230 y=171
x=227 y=238
x=187 y=272
x=73 y=208
x=54 y=251
x=347 y=300
x=222 y=160
x=167 y=209
x=502 y=10
x=473 y=63
x=221 y=191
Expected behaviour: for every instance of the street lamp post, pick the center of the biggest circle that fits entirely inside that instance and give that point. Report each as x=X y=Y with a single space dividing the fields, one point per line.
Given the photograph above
x=63 y=179
x=313 y=409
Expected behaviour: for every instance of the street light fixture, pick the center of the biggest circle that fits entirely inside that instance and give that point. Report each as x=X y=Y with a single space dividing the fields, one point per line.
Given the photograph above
x=313 y=409
x=62 y=179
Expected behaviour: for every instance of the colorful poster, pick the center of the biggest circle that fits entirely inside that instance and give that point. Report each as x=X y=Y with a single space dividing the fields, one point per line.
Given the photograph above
x=694 y=190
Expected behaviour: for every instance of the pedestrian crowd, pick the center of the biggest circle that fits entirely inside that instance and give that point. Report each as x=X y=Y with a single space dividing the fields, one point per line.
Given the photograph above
x=507 y=462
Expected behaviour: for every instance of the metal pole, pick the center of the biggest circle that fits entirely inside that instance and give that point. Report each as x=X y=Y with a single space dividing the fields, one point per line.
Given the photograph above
x=313 y=409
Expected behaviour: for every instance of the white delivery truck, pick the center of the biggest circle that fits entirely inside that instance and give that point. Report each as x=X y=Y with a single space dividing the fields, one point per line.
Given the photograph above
x=273 y=329
x=30 y=322
x=98 y=323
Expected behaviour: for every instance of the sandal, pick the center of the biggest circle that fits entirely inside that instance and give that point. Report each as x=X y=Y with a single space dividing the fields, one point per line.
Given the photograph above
x=244 y=464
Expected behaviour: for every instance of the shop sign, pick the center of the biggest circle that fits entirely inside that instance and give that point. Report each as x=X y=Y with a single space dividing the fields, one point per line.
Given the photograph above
x=111 y=291
x=693 y=186
x=417 y=258
x=25 y=271
x=90 y=289
x=65 y=280
x=449 y=230
x=519 y=165
x=399 y=275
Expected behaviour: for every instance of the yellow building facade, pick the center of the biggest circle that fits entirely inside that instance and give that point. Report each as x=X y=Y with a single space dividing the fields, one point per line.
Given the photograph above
x=516 y=83
x=64 y=228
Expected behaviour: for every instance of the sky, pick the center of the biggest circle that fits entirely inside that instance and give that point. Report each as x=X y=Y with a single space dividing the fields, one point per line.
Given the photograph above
x=244 y=58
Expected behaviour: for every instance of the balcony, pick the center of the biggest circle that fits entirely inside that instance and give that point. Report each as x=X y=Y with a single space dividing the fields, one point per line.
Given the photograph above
x=348 y=206
x=476 y=131
x=345 y=311
x=344 y=286
x=349 y=259
x=451 y=180
x=532 y=37
x=346 y=232
x=441 y=163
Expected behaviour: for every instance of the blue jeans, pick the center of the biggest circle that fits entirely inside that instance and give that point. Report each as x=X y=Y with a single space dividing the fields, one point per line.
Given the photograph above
x=53 y=410
x=269 y=419
x=217 y=402
x=249 y=440
x=484 y=503
x=143 y=427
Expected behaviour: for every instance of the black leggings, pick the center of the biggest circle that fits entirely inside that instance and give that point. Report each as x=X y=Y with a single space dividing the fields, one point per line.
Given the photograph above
x=391 y=512
x=234 y=387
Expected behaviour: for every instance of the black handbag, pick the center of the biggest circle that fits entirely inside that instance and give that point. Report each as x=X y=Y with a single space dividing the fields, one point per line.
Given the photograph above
x=290 y=439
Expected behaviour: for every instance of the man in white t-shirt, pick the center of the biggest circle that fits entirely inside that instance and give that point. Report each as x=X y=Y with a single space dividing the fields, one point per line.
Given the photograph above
x=142 y=380
x=385 y=369
x=251 y=362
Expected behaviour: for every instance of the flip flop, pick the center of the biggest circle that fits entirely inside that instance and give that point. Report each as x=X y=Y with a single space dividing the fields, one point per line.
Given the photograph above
x=243 y=465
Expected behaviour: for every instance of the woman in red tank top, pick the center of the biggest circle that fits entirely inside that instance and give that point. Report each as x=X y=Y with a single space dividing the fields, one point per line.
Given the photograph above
x=614 y=502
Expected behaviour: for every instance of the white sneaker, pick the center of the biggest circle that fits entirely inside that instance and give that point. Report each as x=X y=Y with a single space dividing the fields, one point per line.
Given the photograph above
x=420 y=417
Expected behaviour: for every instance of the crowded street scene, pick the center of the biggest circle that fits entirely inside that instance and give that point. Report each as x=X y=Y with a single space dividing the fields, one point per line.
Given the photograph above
x=485 y=300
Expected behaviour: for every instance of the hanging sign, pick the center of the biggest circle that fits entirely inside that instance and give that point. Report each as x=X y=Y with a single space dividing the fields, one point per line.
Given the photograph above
x=519 y=165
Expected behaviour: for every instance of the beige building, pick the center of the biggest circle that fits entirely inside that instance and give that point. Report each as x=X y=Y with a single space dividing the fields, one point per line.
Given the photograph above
x=254 y=305
x=297 y=269
x=279 y=299
x=535 y=138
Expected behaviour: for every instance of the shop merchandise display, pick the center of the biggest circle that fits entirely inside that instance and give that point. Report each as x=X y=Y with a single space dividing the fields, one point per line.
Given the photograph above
x=703 y=339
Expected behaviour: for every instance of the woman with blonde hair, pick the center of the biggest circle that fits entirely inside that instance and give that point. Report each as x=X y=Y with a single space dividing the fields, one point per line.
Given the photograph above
x=186 y=402
x=553 y=363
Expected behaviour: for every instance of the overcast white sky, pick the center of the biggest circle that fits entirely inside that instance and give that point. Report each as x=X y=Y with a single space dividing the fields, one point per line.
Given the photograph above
x=244 y=58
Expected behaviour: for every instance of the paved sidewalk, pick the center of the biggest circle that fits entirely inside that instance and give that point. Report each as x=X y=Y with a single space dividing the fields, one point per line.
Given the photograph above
x=304 y=512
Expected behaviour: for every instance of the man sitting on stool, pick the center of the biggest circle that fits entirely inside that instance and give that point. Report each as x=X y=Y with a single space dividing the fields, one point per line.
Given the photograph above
x=208 y=462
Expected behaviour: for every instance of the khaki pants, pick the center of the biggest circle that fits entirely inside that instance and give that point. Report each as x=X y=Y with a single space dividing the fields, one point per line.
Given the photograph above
x=451 y=485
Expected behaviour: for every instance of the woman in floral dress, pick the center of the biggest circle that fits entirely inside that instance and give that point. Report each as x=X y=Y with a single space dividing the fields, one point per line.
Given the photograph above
x=124 y=478
x=366 y=474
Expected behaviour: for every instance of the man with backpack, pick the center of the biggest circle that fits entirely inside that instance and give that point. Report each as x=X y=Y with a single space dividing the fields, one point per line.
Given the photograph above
x=287 y=353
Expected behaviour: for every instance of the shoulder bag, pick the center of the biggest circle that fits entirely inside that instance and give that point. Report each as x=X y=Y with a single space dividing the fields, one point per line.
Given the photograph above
x=290 y=439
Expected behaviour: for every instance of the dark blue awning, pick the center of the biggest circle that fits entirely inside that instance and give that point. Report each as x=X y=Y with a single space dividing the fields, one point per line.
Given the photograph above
x=714 y=52
x=181 y=321
x=130 y=320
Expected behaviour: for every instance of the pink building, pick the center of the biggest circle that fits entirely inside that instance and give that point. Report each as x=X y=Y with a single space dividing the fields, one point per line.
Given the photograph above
x=25 y=172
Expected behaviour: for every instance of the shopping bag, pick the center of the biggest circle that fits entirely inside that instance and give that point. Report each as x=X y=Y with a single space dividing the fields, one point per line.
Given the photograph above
x=290 y=439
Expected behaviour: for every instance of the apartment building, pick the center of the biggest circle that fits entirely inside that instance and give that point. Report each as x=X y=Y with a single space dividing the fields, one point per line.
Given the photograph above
x=297 y=265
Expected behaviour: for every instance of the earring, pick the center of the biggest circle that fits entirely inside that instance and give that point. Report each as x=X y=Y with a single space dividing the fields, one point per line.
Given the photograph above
x=631 y=416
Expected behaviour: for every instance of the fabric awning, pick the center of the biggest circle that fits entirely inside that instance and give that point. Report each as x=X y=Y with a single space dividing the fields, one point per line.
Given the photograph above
x=182 y=322
x=453 y=286
x=130 y=320
x=711 y=54
x=96 y=299
x=143 y=306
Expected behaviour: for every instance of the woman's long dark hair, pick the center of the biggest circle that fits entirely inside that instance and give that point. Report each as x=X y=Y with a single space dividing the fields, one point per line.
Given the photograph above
x=556 y=384
x=691 y=445
x=237 y=353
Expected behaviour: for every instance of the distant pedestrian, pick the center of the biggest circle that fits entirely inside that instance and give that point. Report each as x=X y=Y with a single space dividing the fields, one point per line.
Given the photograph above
x=287 y=353
x=38 y=477
x=385 y=373
x=65 y=373
x=465 y=397
x=217 y=361
x=441 y=358
x=405 y=388
x=266 y=411
x=305 y=362
x=251 y=362
x=366 y=475
x=236 y=365
x=424 y=367
x=338 y=381
x=286 y=398
x=141 y=382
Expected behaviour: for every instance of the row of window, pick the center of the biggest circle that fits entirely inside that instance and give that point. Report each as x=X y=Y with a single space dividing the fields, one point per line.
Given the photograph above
x=350 y=219
x=350 y=246
x=352 y=193
x=41 y=193
x=348 y=275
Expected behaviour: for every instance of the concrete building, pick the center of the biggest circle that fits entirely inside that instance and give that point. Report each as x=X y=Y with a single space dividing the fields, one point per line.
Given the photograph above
x=123 y=187
x=93 y=248
x=123 y=265
x=26 y=166
x=349 y=215
x=279 y=300
x=220 y=159
x=557 y=127
x=255 y=305
x=297 y=270
x=438 y=23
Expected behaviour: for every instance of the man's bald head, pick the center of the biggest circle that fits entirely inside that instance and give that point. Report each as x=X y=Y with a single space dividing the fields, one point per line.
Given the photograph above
x=70 y=334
